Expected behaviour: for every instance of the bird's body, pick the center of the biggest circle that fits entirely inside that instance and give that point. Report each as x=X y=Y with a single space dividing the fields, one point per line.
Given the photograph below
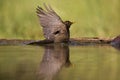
x=54 y=28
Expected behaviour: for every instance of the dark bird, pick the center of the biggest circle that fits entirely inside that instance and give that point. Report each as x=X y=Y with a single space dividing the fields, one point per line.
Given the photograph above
x=53 y=27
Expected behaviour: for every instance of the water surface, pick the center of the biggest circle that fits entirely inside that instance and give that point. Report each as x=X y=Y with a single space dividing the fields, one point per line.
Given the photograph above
x=59 y=62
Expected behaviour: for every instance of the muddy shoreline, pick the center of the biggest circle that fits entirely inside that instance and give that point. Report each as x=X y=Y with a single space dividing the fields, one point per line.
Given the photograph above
x=73 y=41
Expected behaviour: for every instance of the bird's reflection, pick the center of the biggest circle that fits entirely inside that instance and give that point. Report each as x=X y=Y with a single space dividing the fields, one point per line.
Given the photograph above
x=55 y=57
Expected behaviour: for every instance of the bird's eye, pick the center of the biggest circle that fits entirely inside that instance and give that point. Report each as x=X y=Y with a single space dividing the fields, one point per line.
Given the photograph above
x=56 y=32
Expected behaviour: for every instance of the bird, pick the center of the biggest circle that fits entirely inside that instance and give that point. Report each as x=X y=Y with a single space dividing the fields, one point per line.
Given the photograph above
x=54 y=28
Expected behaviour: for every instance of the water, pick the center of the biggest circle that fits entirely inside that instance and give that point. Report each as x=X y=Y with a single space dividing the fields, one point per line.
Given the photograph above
x=59 y=62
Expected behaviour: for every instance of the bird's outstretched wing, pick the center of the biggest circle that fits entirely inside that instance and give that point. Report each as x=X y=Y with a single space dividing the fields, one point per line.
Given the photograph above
x=50 y=21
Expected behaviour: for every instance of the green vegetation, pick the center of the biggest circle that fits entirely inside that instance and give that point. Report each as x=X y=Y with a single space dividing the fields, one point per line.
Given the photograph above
x=92 y=17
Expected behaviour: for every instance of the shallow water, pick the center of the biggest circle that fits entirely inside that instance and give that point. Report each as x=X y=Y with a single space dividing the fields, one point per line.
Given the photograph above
x=59 y=62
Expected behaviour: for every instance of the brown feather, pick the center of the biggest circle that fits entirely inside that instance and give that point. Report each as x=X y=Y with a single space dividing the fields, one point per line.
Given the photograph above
x=52 y=24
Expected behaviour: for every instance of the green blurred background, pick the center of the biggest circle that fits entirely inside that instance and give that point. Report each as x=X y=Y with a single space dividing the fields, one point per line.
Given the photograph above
x=93 y=18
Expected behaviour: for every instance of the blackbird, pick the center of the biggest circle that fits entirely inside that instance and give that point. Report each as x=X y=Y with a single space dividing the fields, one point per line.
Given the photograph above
x=54 y=28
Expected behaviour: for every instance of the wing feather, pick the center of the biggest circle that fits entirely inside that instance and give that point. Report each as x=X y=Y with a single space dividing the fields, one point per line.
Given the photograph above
x=49 y=20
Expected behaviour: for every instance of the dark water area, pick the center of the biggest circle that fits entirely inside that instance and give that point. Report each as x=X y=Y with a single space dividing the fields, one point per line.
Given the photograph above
x=59 y=62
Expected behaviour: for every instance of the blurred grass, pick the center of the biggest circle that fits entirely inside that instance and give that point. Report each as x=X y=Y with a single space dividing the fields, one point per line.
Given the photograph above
x=92 y=18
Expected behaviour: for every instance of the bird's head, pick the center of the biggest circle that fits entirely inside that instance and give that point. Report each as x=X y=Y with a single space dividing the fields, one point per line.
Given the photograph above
x=68 y=23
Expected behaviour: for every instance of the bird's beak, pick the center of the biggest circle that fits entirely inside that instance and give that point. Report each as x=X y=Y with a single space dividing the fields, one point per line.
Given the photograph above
x=72 y=22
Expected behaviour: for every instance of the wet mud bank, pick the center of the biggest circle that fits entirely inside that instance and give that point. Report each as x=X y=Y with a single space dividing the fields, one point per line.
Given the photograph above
x=73 y=41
